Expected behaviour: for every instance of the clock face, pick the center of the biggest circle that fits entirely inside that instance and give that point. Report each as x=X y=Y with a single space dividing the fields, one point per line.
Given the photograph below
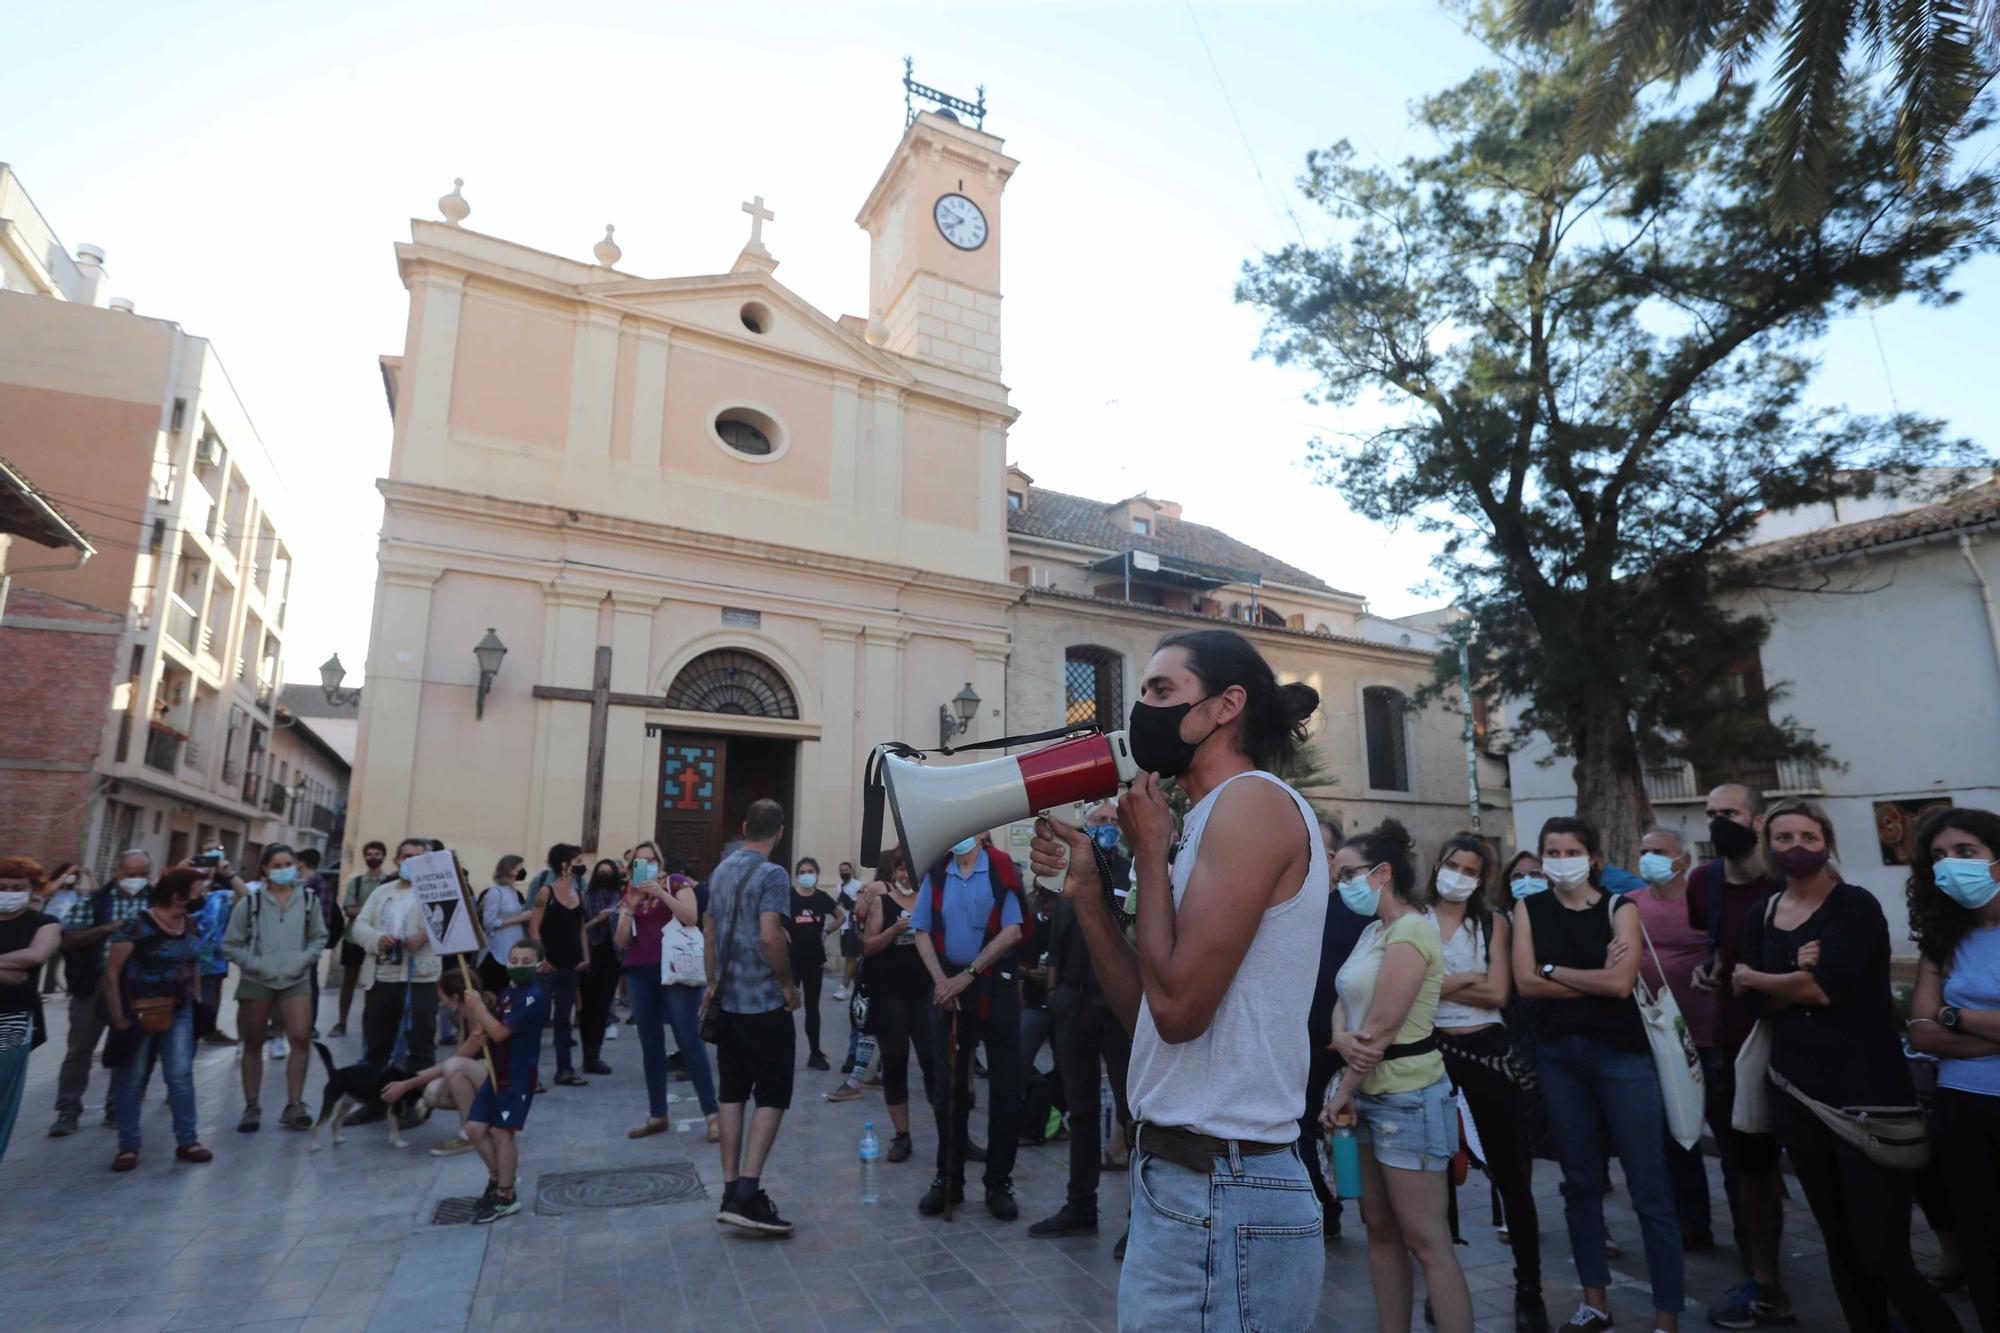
x=960 y=221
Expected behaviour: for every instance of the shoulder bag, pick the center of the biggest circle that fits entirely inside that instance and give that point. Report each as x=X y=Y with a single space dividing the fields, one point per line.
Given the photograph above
x=711 y=1016
x=1891 y=1136
x=1750 y=1113
x=683 y=957
x=1675 y=1059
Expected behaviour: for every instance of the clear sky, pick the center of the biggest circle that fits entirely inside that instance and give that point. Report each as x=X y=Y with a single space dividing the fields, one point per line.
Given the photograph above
x=248 y=168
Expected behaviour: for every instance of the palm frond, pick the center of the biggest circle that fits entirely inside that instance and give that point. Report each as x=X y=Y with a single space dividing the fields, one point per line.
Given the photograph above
x=1804 y=117
x=1743 y=36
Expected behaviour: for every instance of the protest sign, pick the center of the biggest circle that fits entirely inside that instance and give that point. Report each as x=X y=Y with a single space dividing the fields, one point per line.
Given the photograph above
x=442 y=902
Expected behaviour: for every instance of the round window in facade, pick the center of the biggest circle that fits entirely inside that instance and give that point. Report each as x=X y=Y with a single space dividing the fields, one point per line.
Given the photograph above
x=749 y=435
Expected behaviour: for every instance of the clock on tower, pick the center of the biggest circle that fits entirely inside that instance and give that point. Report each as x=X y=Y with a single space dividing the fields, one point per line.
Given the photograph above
x=934 y=222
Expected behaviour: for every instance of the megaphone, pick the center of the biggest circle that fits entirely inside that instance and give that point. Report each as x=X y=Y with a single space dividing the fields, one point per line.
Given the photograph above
x=935 y=805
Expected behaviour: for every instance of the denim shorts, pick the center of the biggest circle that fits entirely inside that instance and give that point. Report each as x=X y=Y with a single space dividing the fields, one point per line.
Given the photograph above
x=1412 y=1131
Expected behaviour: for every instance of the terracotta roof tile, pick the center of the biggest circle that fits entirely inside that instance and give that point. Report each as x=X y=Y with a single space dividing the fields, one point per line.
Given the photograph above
x=1973 y=507
x=1081 y=521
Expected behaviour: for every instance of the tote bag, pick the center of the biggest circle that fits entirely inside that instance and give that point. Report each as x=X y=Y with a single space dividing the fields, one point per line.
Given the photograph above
x=1675 y=1059
x=1750 y=1113
x=682 y=960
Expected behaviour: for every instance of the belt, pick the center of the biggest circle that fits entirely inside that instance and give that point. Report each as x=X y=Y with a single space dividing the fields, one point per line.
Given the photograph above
x=1196 y=1152
x=1423 y=1046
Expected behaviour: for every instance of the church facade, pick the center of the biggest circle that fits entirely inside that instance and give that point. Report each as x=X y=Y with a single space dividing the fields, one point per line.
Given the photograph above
x=729 y=543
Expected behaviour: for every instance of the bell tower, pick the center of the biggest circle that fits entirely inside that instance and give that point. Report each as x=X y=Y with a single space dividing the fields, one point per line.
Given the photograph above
x=934 y=222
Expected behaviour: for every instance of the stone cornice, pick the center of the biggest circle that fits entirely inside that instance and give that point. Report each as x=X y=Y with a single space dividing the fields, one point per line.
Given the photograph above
x=1151 y=617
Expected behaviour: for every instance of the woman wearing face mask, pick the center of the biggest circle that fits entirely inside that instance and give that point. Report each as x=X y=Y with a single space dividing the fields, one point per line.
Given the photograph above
x=649 y=903
x=600 y=906
x=1817 y=955
x=58 y=894
x=28 y=938
x=150 y=969
x=1954 y=897
x=1576 y=950
x=275 y=936
x=1497 y=1082
x=504 y=915
x=557 y=921
x=814 y=916
x=899 y=994
x=1395 y=1086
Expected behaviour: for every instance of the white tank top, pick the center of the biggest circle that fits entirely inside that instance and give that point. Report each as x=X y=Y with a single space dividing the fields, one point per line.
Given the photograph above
x=1244 y=1078
x=1465 y=951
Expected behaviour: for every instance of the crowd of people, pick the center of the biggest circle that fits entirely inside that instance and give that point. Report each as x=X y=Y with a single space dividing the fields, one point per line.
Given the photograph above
x=1224 y=992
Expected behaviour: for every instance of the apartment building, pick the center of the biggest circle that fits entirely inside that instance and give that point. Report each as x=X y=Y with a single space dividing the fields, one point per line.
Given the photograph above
x=132 y=425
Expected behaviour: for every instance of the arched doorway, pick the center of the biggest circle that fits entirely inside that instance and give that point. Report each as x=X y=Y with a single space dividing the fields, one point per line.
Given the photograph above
x=708 y=780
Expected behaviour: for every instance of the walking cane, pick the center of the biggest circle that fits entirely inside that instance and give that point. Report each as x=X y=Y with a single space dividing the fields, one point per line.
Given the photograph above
x=950 y=1112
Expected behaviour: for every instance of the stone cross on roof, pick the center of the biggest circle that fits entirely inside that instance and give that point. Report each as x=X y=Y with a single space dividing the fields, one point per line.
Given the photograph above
x=755 y=256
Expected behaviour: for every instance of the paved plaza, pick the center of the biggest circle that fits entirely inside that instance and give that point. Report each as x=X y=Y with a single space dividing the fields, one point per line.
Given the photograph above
x=270 y=1237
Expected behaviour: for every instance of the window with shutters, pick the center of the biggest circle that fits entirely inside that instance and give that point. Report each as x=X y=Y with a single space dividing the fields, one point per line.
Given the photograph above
x=1093 y=694
x=1385 y=727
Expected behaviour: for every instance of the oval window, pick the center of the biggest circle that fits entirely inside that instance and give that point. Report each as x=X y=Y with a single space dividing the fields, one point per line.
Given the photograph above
x=749 y=434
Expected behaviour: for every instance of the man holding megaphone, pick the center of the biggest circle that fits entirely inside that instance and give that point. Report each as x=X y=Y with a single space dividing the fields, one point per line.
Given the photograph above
x=1229 y=924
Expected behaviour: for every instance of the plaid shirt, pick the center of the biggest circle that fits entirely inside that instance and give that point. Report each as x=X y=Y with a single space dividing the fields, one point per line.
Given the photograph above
x=124 y=906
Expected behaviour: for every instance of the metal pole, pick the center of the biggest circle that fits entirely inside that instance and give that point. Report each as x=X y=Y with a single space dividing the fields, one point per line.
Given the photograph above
x=1463 y=633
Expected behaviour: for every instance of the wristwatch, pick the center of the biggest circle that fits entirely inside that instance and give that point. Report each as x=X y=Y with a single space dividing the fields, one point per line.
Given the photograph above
x=1548 y=971
x=1948 y=1018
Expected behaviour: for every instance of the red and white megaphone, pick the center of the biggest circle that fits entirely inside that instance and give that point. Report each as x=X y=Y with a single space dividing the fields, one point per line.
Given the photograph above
x=936 y=805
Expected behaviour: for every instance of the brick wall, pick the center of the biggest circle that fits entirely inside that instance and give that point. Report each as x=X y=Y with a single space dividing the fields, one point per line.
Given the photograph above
x=54 y=691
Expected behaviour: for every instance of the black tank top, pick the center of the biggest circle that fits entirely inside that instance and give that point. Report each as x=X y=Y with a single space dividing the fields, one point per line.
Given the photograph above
x=562 y=932
x=1580 y=940
x=898 y=971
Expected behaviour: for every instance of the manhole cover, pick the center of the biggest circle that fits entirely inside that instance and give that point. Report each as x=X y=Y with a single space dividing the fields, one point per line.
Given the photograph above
x=454 y=1212
x=623 y=1187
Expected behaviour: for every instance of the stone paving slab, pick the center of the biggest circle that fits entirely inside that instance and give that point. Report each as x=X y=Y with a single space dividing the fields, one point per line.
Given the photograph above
x=269 y=1236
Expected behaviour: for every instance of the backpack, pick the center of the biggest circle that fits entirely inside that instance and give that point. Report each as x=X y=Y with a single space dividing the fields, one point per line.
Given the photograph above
x=1006 y=879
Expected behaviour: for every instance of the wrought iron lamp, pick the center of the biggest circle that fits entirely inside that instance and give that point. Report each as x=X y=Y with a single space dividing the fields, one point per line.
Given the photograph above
x=489 y=652
x=955 y=718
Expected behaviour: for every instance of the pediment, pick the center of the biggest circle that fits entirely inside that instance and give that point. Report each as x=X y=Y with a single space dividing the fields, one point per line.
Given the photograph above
x=717 y=304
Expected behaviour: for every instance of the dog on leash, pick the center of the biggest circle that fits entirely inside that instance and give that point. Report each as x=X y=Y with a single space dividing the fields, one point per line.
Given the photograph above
x=353 y=1086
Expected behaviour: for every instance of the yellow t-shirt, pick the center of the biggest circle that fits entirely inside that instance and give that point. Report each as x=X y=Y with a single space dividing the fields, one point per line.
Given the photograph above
x=1356 y=983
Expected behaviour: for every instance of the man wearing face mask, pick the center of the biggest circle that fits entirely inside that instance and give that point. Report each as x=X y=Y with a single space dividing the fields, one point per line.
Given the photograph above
x=1090 y=1042
x=1721 y=896
x=352 y=955
x=969 y=918
x=398 y=977
x=1229 y=924
x=87 y=928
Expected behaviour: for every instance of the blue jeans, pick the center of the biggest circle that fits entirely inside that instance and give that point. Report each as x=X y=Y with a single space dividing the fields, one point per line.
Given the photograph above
x=1235 y=1251
x=13 y=1081
x=654 y=1006
x=1584 y=1084
x=174 y=1049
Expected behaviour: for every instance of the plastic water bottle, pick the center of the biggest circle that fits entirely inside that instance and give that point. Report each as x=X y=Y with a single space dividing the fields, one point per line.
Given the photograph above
x=1345 y=1151
x=871 y=1165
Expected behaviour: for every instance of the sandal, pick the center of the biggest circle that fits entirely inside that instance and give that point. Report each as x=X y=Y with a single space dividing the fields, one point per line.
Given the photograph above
x=654 y=1125
x=571 y=1080
x=253 y=1116
x=126 y=1159
x=714 y=1129
x=296 y=1116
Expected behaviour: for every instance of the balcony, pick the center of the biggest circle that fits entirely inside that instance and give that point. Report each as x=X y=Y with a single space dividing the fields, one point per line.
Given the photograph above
x=253 y=785
x=163 y=748
x=323 y=819
x=267 y=692
x=276 y=798
x=1670 y=783
x=183 y=624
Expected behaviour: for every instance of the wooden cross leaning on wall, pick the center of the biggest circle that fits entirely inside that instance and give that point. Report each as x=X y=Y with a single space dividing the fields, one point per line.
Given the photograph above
x=601 y=699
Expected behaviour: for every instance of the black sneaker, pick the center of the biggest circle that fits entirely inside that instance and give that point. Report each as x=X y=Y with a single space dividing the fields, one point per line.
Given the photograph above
x=1000 y=1203
x=933 y=1201
x=495 y=1206
x=65 y=1125
x=1588 y=1319
x=900 y=1148
x=597 y=1067
x=756 y=1213
x=1530 y=1315
x=1067 y=1222
x=817 y=1061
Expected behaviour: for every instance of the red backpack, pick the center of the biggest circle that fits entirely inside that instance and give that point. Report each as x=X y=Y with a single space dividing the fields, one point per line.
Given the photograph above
x=1005 y=879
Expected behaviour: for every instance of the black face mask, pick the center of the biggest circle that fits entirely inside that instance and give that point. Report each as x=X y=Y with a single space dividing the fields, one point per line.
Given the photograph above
x=605 y=880
x=1732 y=840
x=1155 y=735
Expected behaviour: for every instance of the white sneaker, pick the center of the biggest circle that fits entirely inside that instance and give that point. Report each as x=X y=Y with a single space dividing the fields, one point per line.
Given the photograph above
x=277 y=1049
x=611 y=1032
x=840 y=992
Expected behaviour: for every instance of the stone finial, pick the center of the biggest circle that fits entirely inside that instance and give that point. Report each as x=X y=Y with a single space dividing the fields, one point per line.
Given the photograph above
x=453 y=205
x=877 y=333
x=607 y=251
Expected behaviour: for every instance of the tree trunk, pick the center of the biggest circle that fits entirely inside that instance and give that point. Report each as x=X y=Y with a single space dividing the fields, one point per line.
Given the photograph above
x=1610 y=784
